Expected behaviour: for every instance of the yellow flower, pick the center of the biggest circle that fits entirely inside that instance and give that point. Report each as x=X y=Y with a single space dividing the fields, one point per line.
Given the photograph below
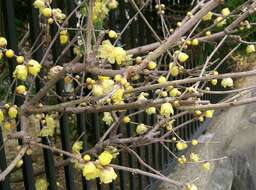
x=141 y=129
x=166 y=109
x=151 y=110
x=126 y=119
x=195 y=42
x=191 y=187
x=174 y=70
x=151 y=65
x=207 y=17
x=194 y=142
x=20 y=72
x=47 y=12
x=107 y=118
x=182 y=57
x=107 y=175
x=100 y=11
x=225 y=12
x=97 y=90
x=39 y=4
x=117 y=97
x=107 y=85
x=112 y=34
x=194 y=157
x=112 y=54
x=64 y=39
x=220 y=21
x=34 y=67
x=162 y=80
x=3 y=42
x=12 y=112
x=227 y=82
x=9 y=53
x=112 y=4
x=1 y=116
x=86 y=157
x=174 y=92
x=41 y=184
x=21 y=89
x=7 y=126
x=209 y=113
x=180 y=145
x=105 y=158
x=214 y=82
x=20 y=59
x=250 y=49
x=206 y=166
x=77 y=147
x=19 y=163
x=90 y=171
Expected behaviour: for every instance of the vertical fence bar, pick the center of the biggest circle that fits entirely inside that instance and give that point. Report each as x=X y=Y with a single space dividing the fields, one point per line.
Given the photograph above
x=48 y=155
x=10 y=30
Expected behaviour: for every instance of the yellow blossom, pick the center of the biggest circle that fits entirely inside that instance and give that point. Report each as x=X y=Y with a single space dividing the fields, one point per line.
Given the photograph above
x=250 y=49
x=20 y=59
x=107 y=118
x=34 y=67
x=20 y=72
x=117 y=97
x=180 y=145
x=162 y=80
x=207 y=17
x=151 y=110
x=166 y=109
x=112 y=4
x=97 y=90
x=151 y=65
x=112 y=54
x=227 y=82
x=225 y=12
x=194 y=142
x=141 y=129
x=7 y=126
x=90 y=171
x=39 y=4
x=182 y=57
x=209 y=113
x=112 y=34
x=206 y=166
x=194 y=157
x=47 y=12
x=126 y=119
x=41 y=184
x=191 y=187
x=107 y=85
x=9 y=53
x=3 y=42
x=174 y=92
x=21 y=89
x=195 y=42
x=12 y=112
x=107 y=175
x=219 y=21
x=77 y=147
x=86 y=157
x=174 y=70
x=214 y=82
x=105 y=158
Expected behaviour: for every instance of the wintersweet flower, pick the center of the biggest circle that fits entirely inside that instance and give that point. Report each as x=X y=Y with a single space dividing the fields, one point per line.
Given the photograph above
x=209 y=113
x=141 y=129
x=107 y=175
x=21 y=89
x=151 y=110
x=206 y=166
x=20 y=72
x=12 y=112
x=207 y=17
x=105 y=158
x=90 y=171
x=166 y=109
x=180 y=145
x=97 y=90
x=3 y=42
x=41 y=184
x=77 y=147
x=174 y=70
x=107 y=118
x=112 y=4
x=227 y=82
x=107 y=85
x=191 y=187
x=112 y=54
x=117 y=97
x=182 y=57
x=194 y=157
x=34 y=67
x=127 y=119
x=225 y=12
x=9 y=53
x=250 y=49
x=162 y=80
x=194 y=142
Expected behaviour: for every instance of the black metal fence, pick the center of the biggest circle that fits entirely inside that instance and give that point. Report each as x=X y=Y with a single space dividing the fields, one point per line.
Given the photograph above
x=60 y=174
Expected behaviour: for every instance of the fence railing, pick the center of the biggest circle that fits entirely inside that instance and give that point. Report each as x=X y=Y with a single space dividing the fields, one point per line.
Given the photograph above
x=60 y=173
